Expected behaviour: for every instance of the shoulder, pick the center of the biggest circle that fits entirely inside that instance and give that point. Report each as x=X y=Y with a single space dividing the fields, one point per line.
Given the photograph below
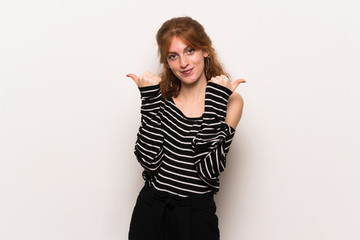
x=234 y=109
x=235 y=102
x=235 y=99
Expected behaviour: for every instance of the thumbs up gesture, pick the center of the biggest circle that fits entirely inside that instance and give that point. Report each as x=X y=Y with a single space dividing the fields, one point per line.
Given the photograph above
x=225 y=81
x=146 y=79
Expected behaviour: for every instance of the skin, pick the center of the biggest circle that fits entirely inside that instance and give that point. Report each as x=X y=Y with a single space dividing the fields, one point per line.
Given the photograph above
x=188 y=65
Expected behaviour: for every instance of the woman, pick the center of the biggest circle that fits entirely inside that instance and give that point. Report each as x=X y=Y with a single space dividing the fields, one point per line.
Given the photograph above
x=188 y=118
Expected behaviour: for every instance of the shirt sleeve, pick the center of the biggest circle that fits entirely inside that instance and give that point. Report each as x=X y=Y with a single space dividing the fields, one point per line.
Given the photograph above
x=213 y=141
x=149 y=143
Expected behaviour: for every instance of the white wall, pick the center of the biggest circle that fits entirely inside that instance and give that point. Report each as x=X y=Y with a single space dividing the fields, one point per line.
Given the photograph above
x=69 y=116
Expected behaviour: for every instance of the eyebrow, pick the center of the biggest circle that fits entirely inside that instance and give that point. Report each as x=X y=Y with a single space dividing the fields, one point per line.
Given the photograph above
x=183 y=50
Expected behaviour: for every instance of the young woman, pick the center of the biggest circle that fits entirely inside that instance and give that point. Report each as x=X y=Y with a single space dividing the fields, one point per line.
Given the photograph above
x=188 y=118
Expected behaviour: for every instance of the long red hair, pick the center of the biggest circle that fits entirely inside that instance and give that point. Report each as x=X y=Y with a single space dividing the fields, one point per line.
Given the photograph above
x=193 y=34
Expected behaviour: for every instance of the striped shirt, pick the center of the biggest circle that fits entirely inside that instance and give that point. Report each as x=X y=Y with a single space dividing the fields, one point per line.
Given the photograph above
x=183 y=155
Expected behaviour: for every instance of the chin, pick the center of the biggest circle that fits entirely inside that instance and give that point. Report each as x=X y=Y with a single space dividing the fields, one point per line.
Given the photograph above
x=188 y=80
x=193 y=78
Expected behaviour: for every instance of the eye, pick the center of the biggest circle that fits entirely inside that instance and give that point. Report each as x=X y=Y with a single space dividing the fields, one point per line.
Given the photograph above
x=190 y=51
x=171 y=56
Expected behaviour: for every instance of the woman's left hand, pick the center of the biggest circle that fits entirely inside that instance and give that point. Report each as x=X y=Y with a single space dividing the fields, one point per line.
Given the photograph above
x=225 y=81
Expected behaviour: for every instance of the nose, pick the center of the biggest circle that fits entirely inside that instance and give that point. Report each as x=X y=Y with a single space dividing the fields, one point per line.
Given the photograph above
x=183 y=61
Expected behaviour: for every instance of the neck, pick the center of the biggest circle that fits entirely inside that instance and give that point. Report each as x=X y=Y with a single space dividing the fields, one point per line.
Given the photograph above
x=193 y=92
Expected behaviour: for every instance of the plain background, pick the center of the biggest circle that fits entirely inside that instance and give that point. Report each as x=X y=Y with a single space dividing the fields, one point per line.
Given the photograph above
x=69 y=116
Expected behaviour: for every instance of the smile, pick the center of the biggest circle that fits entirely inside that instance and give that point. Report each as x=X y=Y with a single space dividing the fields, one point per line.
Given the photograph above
x=187 y=72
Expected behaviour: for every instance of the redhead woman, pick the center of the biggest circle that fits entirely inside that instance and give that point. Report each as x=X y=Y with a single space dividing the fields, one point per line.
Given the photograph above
x=189 y=114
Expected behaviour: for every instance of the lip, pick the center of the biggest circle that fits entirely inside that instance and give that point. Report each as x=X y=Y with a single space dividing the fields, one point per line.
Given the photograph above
x=187 y=71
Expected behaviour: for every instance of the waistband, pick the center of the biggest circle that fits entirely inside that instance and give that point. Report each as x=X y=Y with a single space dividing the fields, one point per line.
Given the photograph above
x=195 y=201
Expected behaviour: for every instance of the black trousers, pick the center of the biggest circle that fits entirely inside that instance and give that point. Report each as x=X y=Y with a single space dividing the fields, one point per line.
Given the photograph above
x=162 y=216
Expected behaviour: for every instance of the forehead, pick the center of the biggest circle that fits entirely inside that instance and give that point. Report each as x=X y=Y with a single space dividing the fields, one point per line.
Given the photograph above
x=177 y=44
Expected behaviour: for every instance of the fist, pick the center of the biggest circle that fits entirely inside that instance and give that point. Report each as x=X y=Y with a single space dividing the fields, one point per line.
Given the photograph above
x=146 y=79
x=225 y=82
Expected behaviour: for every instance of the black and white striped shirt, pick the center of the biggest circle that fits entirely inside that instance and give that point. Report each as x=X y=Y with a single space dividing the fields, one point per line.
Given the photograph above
x=182 y=155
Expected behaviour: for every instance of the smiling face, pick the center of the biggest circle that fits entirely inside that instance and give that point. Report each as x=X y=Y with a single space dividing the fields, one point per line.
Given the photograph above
x=186 y=62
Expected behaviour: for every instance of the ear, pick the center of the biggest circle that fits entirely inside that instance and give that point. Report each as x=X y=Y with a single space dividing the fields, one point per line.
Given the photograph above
x=205 y=53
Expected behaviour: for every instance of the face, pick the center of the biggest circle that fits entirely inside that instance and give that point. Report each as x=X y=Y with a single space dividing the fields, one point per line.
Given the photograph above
x=185 y=62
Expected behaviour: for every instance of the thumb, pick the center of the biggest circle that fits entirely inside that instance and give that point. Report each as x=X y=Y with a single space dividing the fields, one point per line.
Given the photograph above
x=133 y=77
x=236 y=83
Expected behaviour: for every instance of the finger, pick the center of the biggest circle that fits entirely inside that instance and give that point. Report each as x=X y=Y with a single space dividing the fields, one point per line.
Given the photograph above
x=134 y=77
x=236 y=83
x=223 y=77
x=240 y=80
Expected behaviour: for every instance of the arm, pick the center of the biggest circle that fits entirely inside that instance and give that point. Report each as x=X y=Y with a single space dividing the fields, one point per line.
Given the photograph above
x=235 y=102
x=234 y=110
x=149 y=143
x=222 y=114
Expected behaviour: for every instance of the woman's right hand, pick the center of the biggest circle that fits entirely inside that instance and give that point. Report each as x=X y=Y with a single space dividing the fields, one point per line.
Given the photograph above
x=146 y=79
